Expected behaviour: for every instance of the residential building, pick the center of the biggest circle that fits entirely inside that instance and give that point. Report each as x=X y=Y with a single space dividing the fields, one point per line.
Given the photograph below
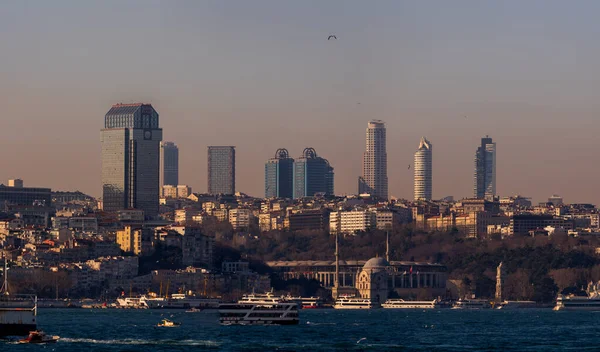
x=522 y=224
x=423 y=171
x=374 y=180
x=485 y=169
x=130 y=158
x=221 y=170
x=312 y=175
x=240 y=218
x=136 y=240
x=307 y=219
x=279 y=175
x=169 y=164
x=179 y=191
x=351 y=221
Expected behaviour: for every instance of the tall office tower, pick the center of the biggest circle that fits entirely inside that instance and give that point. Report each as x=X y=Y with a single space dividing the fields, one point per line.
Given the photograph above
x=423 y=170
x=485 y=169
x=221 y=170
x=374 y=180
x=130 y=158
x=312 y=175
x=169 y=164
x=279 y=175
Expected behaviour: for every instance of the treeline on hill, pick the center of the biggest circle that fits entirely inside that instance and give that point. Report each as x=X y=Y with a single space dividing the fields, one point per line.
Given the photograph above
x=534 y=268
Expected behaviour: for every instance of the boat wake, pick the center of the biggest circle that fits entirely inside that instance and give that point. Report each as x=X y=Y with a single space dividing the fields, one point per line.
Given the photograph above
x=207 y=343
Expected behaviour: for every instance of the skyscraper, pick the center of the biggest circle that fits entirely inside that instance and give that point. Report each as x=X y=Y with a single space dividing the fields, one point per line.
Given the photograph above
x=485 y=169
x=312 y=175
x=374 y=180
x=423 y=170
x=169 y=164
x=221 y=170
x=130 y=158
x=279 y=175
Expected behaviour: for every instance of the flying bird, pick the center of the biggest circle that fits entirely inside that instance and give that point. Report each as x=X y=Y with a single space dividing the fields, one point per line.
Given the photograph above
x=332 y=37
x=409 y=166
x=361 y=340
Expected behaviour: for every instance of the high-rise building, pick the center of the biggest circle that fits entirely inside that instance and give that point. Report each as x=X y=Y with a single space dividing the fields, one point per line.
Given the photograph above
x=485 y=169
x=221 y=170
x=423 y=170
x=279 y=175
x=169 y=164
x=374 y=180
x=312 y=175
x=130 y=158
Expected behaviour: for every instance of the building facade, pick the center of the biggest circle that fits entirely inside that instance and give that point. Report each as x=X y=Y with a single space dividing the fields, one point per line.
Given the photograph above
x=130 y=158
x=221 y=170
x=485 y=169
x=312 y=175
x=16 y=194
x=279 y=175
x=423 y=170
x=374 y=180
x=169 y=164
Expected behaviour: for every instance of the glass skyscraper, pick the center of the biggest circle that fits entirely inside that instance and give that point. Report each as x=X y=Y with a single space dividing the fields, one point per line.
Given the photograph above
x=485 y=169
x=130 y=158
x=312 y=175
x=279 y=175
x=221 y=170
x=423 y=170
x=169 y=164
x=374 y=180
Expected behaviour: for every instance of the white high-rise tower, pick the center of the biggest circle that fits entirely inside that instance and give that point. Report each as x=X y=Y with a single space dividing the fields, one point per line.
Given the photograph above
x=423 y=170
x=374 y=180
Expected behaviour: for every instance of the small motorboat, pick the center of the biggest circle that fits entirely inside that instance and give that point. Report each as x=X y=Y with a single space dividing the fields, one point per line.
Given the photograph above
x=193 y=310
x=38 y=336
x=168 y=323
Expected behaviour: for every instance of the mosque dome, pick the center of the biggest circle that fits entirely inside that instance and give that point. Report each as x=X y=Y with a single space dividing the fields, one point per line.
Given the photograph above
x=376 y=263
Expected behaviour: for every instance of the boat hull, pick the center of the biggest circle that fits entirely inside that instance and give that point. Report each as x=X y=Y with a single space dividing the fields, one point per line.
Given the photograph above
x=259 y=322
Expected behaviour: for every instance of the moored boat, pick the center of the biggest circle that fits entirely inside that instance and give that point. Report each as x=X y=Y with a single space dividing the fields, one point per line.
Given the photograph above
x=472 y=304
x=591 y=302
x=398 y=303
x=355 y=303
x=168 y=323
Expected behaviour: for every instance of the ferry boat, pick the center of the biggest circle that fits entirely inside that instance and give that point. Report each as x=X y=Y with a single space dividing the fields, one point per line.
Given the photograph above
x=18 y=313
x=472 y=304
x=132 y=302
x=398 y=303
x=355 y=303
x=591 y=302
x=311 y=302
x=181 y=301
x=245 y=313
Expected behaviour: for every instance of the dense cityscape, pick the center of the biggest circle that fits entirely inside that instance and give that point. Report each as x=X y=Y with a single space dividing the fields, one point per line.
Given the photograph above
x=149 y=231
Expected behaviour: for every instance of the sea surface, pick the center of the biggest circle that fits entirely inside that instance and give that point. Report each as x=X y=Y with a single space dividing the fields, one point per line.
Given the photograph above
x=321 y=330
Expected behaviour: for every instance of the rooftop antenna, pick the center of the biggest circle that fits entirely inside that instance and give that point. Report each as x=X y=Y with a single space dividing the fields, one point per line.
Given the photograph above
x=387 y=246
x=4 y=288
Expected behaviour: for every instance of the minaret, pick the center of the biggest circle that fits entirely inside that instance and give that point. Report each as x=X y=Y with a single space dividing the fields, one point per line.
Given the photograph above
x=499 y=282
x=334 y=292
x=387 y=246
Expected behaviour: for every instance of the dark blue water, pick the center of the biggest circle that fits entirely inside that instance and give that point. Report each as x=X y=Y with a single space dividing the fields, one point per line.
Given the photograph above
x=322 y=330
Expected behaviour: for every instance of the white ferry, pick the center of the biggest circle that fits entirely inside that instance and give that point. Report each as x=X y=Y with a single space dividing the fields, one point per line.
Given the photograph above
x=355 y=303
x=181 y=301
x=132 y=302
x=402 y=304
x=472 y=304
x=18 y=313
x=591 y=302
x=244 y=313
x=311 y=302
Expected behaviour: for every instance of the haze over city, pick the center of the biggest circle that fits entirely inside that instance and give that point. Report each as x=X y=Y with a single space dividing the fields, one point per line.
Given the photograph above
x=262 y=75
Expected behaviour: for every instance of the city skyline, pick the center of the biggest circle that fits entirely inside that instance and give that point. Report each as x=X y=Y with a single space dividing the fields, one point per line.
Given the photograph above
x=525 y=75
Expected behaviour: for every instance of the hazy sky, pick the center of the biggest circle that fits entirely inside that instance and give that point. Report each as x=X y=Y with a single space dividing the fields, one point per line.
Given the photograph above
x=262 y=75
